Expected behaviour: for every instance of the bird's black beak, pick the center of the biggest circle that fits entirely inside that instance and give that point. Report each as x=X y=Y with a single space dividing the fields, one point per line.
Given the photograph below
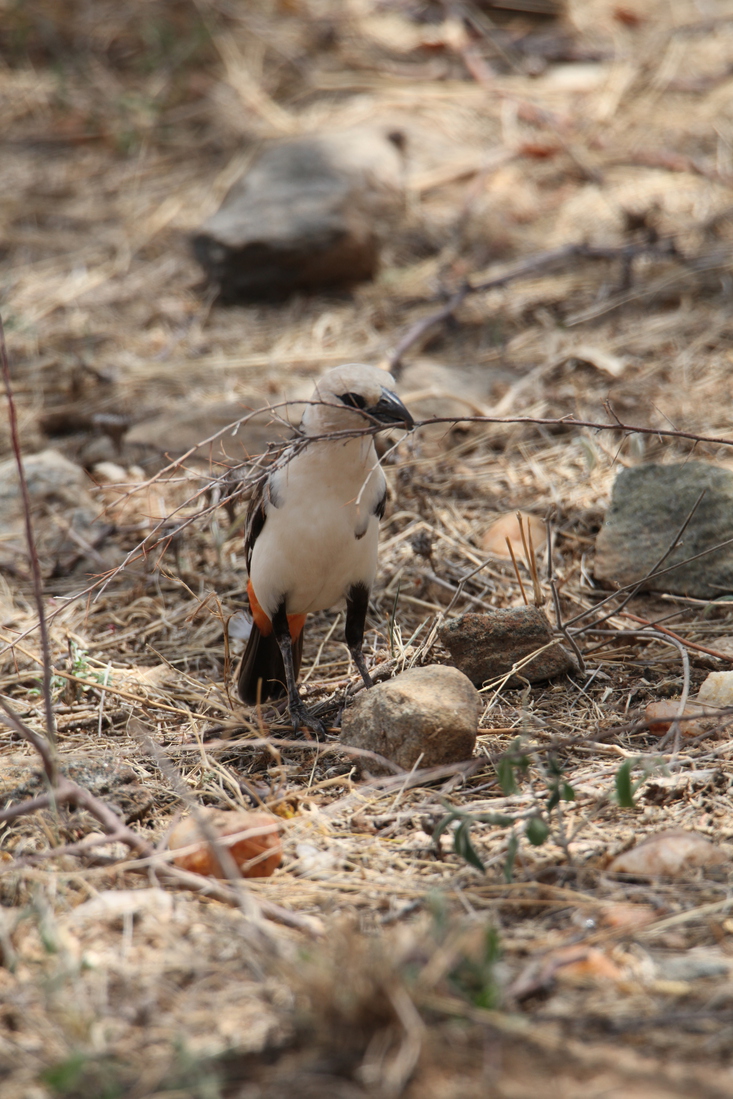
x=390 y=411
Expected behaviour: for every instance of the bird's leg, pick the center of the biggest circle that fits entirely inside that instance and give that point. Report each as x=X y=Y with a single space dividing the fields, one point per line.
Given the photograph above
x=298 y=712
x=357 y=601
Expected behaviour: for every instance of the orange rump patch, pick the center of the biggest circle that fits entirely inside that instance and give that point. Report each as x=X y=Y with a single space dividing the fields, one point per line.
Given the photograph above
x=262 y=621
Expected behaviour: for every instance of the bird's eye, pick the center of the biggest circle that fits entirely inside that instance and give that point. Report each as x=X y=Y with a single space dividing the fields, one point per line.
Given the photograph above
x=353 y=400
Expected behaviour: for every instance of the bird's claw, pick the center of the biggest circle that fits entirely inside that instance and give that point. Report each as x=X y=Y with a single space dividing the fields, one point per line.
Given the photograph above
x=302 y=719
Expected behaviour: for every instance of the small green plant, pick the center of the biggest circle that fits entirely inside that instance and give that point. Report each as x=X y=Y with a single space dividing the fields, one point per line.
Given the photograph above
x=62 y=1077
x=81 y=1075
x=510 y=763
x=471 y=970
x=536 y=828
x=474 y=978
x=559 y=788
x=626 y=789
x=536 y=831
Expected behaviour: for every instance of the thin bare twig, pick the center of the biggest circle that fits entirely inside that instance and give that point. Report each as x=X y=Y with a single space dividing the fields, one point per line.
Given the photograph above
x=572 y=421
x=649 y=576
x=517 y=573
x=562 y=628
x=676 y=637
x=49 y=760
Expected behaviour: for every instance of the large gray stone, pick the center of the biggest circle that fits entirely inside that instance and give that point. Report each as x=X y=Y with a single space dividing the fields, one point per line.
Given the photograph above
x=429 y=714
x=52 y=481
x=67 y=529
x=649 y=504
x=309 y=213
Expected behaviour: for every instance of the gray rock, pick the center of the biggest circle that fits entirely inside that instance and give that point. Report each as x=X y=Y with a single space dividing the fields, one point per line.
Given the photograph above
x=430 y=714
x=63 y=511
x=309 y=213
x=486 y=646
x=692 y=965
x=51 y=479
x=649 y=504
x=181 y=427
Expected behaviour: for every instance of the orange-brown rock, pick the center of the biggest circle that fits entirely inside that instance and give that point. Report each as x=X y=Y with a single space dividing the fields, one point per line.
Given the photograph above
x=257 y=850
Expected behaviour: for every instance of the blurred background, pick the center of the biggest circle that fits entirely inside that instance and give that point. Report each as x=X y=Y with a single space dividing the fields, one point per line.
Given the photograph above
x=519 y=126
x=203 y=204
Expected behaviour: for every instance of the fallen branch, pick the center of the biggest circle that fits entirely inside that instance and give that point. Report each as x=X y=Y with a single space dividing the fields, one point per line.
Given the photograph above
x=533 y=265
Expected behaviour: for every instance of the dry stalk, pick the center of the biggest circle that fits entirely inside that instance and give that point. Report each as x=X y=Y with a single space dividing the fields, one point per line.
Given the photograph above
x=49 y=759
x=517 y=573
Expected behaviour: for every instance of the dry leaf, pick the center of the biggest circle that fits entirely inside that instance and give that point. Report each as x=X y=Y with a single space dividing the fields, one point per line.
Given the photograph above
x=507 y=526
x=667 y=853
x=629 y=916
x=594 y=964
x=572 y=962
x=257 y=851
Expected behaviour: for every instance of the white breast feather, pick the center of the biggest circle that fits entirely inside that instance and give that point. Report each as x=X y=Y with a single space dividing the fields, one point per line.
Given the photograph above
x=307 y=551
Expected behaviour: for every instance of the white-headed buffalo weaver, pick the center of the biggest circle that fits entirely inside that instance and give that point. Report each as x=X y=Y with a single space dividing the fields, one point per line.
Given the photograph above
x=312 y=530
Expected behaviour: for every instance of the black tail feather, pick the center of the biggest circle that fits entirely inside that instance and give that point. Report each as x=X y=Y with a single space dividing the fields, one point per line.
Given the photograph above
x=262 y=661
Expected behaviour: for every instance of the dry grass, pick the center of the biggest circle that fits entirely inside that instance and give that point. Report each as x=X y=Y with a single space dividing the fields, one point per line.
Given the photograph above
x=122 y=134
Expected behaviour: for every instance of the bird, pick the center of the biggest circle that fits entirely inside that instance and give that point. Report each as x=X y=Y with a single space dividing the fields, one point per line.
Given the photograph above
x=312 y=529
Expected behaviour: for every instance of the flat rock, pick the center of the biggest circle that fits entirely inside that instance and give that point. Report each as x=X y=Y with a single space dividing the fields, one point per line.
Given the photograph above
x=434 y=388
x=309 y=213
x=64 y=513
x=429 y=714
x=649 y=505
x=177 y=430
x=487 y=646
x=50 y=477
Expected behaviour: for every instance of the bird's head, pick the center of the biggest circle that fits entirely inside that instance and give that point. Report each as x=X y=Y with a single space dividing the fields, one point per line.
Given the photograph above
x=354 y=396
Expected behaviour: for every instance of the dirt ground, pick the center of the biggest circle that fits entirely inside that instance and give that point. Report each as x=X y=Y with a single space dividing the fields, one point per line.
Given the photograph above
x=377 y=961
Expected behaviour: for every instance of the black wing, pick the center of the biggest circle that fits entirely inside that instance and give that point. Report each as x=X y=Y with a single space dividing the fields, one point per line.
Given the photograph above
x=256 y=516
x=263 y=495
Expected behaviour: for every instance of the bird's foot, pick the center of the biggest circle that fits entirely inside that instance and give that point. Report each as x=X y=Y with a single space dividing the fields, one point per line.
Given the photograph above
x=302 y=719
x=358 y=658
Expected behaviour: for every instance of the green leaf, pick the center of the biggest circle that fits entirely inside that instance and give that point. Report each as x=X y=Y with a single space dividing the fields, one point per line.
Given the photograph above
x=554 y=798
x=624 y=792
x=567 y=792
x=62 y=1076
x=505 y=774
x=494 y=818
x=462 y=845
x=511 y=854
x=442 y=825
x=536 y=831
